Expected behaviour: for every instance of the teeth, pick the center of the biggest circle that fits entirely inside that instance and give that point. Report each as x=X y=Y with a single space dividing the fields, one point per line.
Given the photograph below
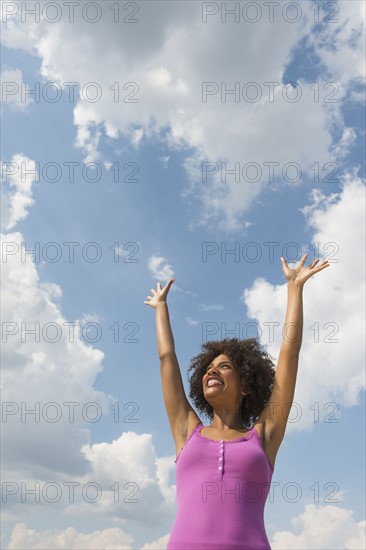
x=213 y=382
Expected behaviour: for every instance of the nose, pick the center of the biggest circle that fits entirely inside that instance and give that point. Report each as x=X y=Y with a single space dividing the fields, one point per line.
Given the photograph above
x=211 y=370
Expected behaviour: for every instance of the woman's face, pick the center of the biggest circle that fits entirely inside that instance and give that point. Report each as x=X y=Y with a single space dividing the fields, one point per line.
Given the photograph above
x=227 y=382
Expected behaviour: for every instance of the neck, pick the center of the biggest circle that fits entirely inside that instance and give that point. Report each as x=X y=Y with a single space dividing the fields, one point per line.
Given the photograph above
x=231 y=420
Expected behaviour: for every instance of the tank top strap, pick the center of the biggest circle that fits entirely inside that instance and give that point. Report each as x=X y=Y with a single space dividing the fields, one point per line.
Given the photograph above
x=195 y=429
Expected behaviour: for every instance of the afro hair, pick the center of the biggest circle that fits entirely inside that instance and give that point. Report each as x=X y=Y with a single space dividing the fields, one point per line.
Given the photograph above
x=255 y=368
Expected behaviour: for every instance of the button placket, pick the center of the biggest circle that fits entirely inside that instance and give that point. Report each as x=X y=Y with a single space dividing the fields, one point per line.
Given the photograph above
x=220 y=468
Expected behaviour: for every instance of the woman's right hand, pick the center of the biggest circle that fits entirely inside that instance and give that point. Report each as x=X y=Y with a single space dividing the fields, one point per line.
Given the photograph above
x=159 y=295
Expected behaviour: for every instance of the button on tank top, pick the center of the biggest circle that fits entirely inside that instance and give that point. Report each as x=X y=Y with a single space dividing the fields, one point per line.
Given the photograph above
x=222 y=487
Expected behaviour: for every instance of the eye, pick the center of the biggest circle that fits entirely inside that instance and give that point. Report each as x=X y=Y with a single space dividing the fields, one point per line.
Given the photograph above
x=223 y=365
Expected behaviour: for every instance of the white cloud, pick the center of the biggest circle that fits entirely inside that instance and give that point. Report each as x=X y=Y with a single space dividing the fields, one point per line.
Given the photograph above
x=164 y=467
x=137 y=137
x=111 y=131
x=126 y=249
x=45 y=372
x=167 y=56
x=53 y=365
x=20 y=174
x=348 y=137
x=160 y=269
x=68 y=539
x=11 y=90
x=90 y=318
x=169 y=53
x=71 y=539
x=191 y=321
x=340 y=44
x=210 y=307
x=161 y=79
x=358 y=95
x=164 y=160
x=323 y=527
x=128 y=464
x=330 y=369
x=158 y=544
x=87 y=120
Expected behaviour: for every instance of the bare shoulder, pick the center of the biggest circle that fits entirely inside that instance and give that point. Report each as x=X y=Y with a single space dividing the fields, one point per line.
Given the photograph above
x=184 y=428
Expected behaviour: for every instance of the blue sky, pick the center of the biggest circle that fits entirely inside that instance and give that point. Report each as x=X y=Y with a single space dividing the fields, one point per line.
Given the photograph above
x=167 y=222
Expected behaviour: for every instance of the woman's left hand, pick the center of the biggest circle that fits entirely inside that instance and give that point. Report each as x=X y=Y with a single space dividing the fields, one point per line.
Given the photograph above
x=300 y=274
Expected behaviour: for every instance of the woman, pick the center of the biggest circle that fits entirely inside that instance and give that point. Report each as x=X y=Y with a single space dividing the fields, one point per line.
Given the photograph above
x=224 y=471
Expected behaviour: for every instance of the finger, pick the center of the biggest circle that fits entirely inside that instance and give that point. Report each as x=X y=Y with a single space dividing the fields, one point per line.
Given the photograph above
x=159 y=286
x=302 y=261
x=316 y=270
x=313 y=263
x=152 y=291
x=169 y=283
x=325 y=262
x=321 y=267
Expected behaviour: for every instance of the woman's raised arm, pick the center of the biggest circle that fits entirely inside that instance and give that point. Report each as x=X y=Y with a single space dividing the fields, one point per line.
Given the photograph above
x=164 y=333
x=176 y=403
x=275 y=414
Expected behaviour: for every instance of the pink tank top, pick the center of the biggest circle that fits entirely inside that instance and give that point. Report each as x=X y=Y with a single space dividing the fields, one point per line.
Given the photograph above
x=222 y=488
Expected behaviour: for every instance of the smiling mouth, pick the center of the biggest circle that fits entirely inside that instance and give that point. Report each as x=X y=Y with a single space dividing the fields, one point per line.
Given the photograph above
x=213 y=383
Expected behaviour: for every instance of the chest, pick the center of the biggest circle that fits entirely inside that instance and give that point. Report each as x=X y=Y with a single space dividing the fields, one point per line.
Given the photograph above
x=227 y=435
x=238 y=465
